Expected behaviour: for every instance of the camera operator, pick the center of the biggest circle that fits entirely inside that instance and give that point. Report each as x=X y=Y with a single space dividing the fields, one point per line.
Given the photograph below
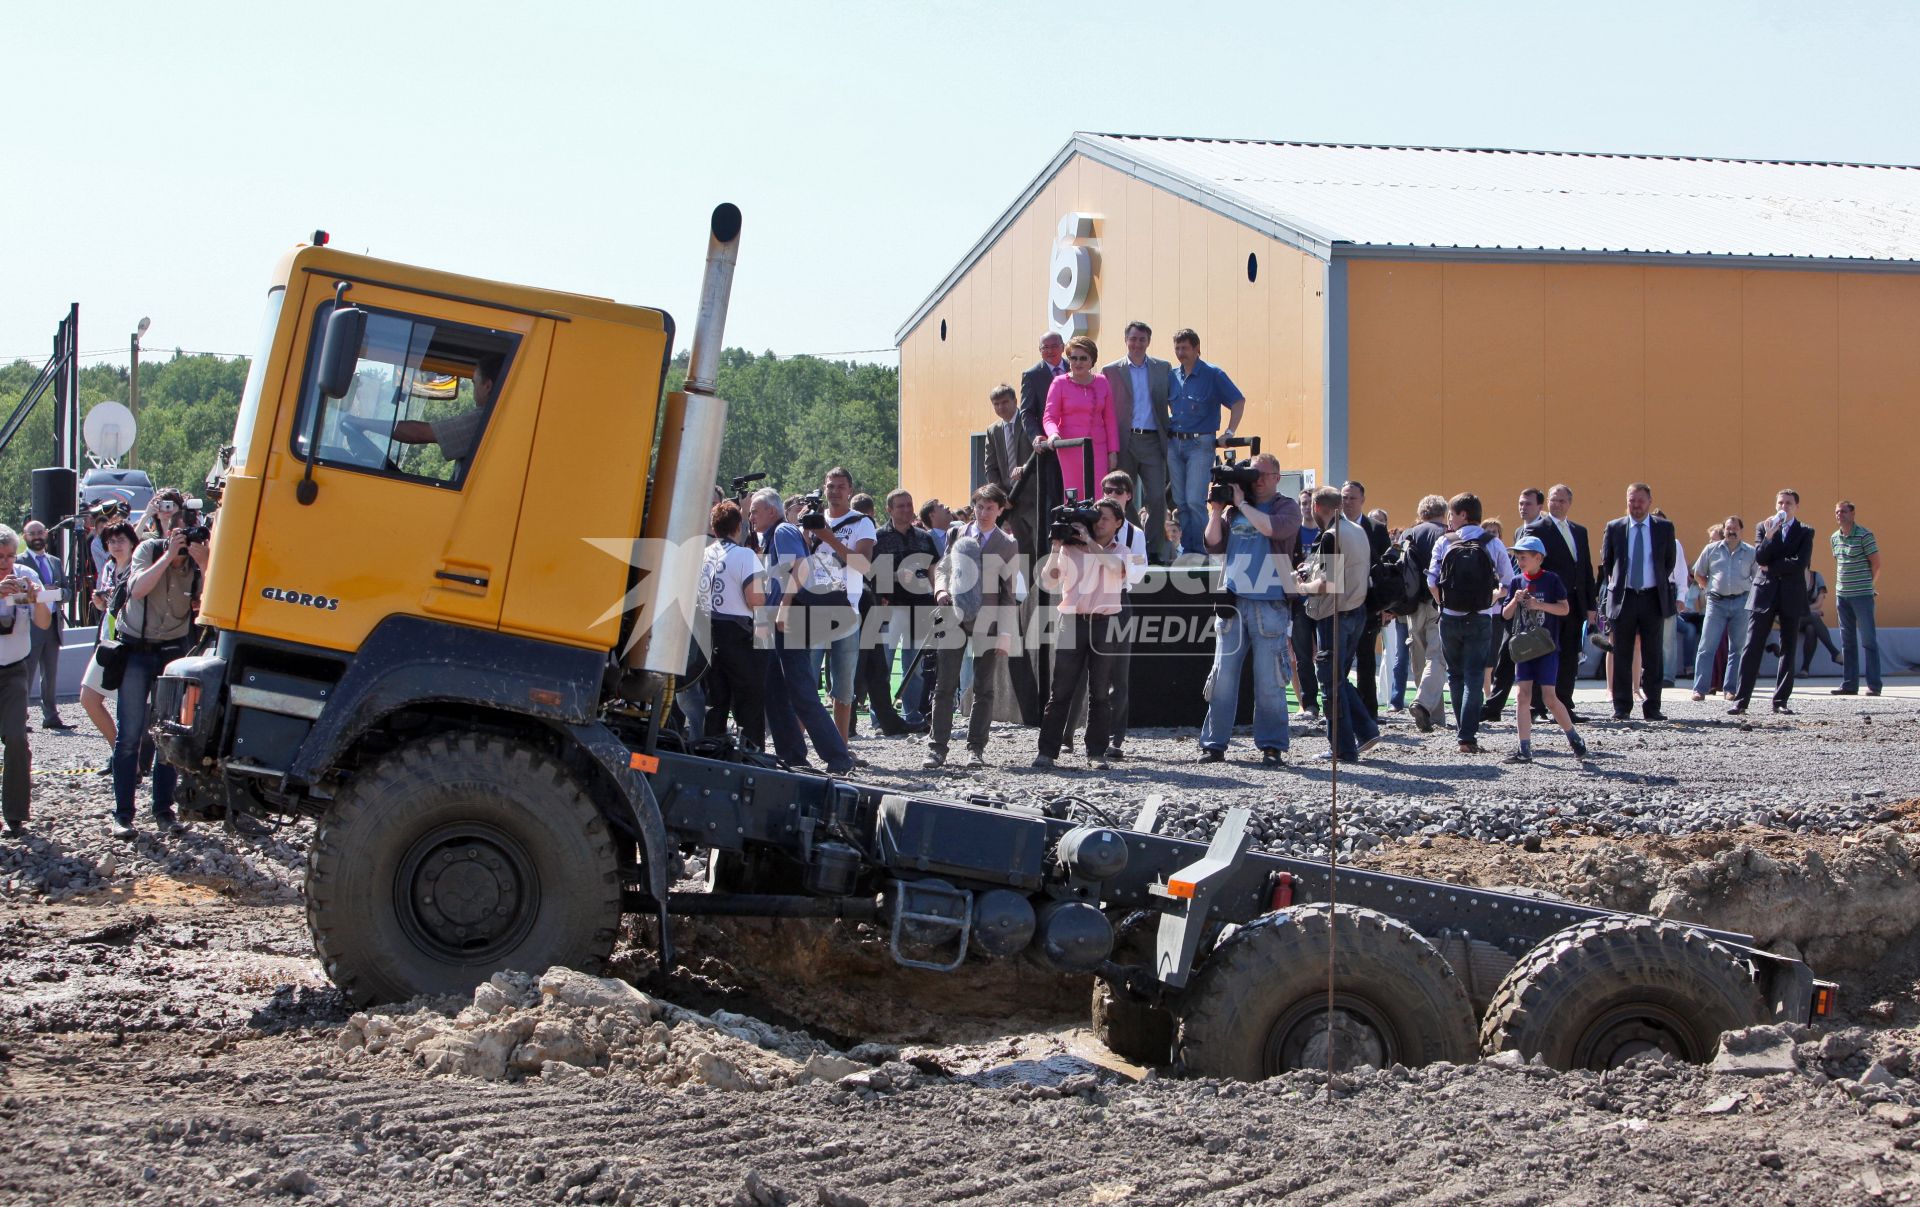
x=841 y=540
x=163 y=583
x=1086 y=568
x=23 y=610
x=1258 y=532
x=1132 y=539
x=794 y=711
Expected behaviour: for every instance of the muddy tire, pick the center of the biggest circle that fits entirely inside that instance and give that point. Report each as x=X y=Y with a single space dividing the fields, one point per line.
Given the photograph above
x=1259 y=1005
x=1133 y=1030
x=452 y=858
x=1601 y=992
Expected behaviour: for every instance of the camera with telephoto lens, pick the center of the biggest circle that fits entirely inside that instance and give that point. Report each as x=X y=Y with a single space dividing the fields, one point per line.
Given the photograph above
x=814 y=516
x=740 y=482
x=1226 y=473
x=196 y=530
x=1060 y=520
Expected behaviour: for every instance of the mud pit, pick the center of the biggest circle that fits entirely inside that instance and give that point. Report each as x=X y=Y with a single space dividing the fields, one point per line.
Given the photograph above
x=168 y=1038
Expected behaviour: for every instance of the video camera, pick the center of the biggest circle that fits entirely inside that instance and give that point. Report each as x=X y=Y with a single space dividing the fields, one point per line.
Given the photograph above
x=814 y=516
x=1061 y=520
x=1226 y=473
x=742 y=481
x=106 y=511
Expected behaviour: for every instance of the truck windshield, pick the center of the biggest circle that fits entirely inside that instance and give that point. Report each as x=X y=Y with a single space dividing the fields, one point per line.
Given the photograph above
x=256 y=381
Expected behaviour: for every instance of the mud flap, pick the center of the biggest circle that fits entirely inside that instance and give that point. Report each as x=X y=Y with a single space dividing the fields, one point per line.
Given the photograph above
x=614 y=758
x=1181 y=931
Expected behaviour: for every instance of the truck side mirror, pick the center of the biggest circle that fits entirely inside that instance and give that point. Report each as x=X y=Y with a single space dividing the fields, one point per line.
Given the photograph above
x=340 y=350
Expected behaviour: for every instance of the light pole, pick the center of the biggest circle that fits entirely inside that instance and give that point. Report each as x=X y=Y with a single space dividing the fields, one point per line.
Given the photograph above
x=133 y=378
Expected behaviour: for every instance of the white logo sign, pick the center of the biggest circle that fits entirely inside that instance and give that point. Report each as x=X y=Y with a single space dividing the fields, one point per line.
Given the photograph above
x=1070 y=277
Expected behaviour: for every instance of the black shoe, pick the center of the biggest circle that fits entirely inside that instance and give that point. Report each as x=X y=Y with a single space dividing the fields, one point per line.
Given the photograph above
x=1518 y=756
x=1621 y=714
x=120 y=829
x=1846 y=691
x=1208 y=755
x=166 y=822
x=55 y=724
x=1738 y=710
x=1489 y=715
x=1577 y=745
x=1873 y=691
x=1273 y=758
x=1115 y=754
x=1783 y=710
x=1653 y=714
x=1422 y=719
x=16 y=829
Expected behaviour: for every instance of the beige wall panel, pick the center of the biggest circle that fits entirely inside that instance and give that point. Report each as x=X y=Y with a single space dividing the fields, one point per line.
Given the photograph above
x=1791 y=353
x=1395 y=334
x=1693 y=455
x=1593 y=423
x=1492 y=381
x=1878 y=386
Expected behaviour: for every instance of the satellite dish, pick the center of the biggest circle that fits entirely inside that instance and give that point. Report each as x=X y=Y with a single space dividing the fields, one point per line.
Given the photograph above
x=109 y=431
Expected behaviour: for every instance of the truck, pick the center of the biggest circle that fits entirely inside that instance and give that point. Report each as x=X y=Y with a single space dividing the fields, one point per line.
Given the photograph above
x=459 y=525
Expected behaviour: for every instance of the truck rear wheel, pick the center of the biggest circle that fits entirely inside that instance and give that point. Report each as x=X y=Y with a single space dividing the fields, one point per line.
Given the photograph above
x=1259 y=1005
x=1602 y=992
x=1132 y=1029
x=452 y=858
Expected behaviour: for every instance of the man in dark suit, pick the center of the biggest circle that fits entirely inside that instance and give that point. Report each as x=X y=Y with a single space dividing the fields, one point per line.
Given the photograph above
x=1637 y=555
x=1569 y=557
x=1007 y=446
x=1036 y=381
x=1783 y=551
x=1353 y=505
x=1139 y=386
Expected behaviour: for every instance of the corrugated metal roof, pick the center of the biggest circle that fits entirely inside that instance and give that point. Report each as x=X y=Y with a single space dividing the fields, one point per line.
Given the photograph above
x=1335 y=197
x=1552 y=201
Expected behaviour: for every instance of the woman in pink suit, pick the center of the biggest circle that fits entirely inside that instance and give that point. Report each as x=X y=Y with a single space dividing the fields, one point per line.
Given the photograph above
x=1080 y=403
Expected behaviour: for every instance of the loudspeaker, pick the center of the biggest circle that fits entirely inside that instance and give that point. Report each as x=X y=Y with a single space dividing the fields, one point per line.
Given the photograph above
x=55 y=494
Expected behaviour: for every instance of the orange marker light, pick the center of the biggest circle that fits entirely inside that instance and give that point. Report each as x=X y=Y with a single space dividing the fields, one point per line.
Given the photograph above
x=1180 y=888
x=644 y=762
x=1822 y=1002
x=189 y=704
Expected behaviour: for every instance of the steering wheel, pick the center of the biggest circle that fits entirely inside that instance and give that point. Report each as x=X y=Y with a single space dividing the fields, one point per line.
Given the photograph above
x=359 y=435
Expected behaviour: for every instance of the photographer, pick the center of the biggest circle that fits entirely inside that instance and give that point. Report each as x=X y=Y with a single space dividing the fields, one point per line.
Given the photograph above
x=22 y=611
x=794 y=711
x=841 y=541
x=1086 y=568
x=1259 y=533
x=157 y=620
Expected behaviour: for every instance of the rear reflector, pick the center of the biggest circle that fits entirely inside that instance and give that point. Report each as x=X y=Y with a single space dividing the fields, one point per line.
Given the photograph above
x=1822 y=1001
x=644 y=762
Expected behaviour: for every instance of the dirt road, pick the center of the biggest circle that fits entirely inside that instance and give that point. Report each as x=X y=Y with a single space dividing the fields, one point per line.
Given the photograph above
x=169 y=1039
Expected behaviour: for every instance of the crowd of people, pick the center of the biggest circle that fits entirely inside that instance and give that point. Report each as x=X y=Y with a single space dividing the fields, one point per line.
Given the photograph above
x=144 y=584
x=1453 y=615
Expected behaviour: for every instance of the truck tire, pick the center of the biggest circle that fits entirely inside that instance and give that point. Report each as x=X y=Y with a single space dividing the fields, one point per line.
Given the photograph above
x=1133 y=1030
x=452 y=858
x=1603 y=991
x=1259 y=1005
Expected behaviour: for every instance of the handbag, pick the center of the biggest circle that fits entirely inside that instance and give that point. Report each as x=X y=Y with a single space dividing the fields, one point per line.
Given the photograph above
x=1528 y=644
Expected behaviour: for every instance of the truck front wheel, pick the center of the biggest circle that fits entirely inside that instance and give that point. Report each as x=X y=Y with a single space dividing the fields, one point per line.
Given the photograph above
x=455 y=857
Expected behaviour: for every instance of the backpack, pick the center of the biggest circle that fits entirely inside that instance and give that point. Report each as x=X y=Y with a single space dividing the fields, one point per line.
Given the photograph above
x=1466 y=576
x=1394 y=584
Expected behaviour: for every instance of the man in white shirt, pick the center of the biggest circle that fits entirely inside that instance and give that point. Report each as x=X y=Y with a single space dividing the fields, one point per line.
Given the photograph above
x=842 y=552
x=22 y=610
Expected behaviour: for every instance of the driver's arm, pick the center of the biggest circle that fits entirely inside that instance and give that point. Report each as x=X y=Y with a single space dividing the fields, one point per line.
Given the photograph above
x=413 y=431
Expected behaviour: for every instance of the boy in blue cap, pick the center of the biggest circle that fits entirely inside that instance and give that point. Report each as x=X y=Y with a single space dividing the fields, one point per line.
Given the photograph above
x=1535 y=594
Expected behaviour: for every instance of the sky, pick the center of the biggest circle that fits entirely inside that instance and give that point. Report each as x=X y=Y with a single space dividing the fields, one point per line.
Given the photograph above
x=159 y=158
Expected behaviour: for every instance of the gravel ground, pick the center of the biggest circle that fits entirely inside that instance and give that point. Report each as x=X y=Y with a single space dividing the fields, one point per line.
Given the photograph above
x=166 y=1037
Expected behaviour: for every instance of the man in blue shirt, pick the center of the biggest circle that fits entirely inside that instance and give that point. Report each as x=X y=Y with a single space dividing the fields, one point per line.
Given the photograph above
x=1259 y=537
x=1196 y=394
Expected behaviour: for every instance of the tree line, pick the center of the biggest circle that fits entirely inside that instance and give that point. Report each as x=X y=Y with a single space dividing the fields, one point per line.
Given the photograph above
x=792 y=418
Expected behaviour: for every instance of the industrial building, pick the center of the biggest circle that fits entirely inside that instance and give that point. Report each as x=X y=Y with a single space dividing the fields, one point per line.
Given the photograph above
x=1438 y=320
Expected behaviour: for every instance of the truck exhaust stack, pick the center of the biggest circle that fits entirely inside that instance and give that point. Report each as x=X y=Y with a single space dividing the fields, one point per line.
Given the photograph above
x=684 y=472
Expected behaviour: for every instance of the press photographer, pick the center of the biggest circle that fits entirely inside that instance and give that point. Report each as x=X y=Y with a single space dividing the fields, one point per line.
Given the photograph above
x=1258 y=529
x=842 y=548
x=155 y=625
x=22 y=611
x=1087 y=569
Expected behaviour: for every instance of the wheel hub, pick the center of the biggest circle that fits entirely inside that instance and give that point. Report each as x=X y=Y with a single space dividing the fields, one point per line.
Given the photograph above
x=1639 y=1029
x=1354 y=1032
x=466 y=890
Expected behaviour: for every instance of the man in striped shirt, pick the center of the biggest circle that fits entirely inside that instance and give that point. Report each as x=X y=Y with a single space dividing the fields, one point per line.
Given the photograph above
x=1856 y=565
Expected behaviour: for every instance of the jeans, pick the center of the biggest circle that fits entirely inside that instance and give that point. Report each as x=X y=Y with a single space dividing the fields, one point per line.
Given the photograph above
x=1187 y=464
x=898 y=633
x=1263 y=627
x=1729 y=617
x=1466 y=640
x=844 y=666
x=1356 y=724
x=1397 y=651
x=1857 y=633
x=135 y=706
x=794 y=711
